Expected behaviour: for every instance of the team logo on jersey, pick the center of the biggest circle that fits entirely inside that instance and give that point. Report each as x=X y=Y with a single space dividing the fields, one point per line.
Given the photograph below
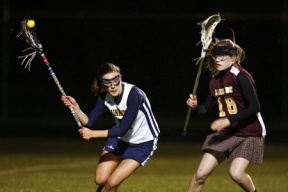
x=223 y=91
x=117 y=112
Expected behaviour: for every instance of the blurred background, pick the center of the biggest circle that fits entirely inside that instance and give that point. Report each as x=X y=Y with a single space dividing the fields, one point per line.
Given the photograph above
x=154 y=43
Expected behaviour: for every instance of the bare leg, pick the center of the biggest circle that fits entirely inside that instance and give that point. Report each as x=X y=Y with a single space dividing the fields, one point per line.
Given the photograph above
x=206 y=167
x=238 y=174
x=122 y=172
x=107 y=164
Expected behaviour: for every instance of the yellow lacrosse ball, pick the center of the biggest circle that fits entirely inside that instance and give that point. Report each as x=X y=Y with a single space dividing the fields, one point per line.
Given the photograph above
x=30 y=24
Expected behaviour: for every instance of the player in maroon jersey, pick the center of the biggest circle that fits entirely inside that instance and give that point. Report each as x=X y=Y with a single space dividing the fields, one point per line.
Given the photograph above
x=239 y=130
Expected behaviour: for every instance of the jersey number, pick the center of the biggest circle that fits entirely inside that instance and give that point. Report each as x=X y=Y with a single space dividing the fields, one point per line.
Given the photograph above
x=231 y=106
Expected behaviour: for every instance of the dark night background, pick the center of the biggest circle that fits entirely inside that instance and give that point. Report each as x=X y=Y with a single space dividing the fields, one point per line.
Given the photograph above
x=154 y=43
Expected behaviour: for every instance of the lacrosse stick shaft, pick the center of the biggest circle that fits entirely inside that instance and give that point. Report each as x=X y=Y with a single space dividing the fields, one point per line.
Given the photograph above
x=184 y=133
x=208 y=27
x=59 y=85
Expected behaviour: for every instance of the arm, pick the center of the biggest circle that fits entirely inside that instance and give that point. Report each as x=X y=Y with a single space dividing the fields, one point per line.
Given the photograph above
x=207 y=105
x=252 y=102
x=201 y=109
x=216 y=125
x=71 y=102
x=250 y=97
x=134 y=102
x=85 y=132
x=96 y=112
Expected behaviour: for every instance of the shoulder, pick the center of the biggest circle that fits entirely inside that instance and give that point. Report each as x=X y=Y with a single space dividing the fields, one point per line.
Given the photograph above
x=244 y=75
x=240 y=72
x=132 y=89
x=244 y=79
x=235 y=70
x=135 y=93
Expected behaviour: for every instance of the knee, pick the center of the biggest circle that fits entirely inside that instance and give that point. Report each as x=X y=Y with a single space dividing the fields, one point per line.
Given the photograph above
x=236 y=175
x=112 y=184
x=109 y=184
x=200 y=177
x=100 y=180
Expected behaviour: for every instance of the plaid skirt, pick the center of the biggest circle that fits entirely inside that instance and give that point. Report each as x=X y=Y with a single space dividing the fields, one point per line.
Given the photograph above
x=250 y=148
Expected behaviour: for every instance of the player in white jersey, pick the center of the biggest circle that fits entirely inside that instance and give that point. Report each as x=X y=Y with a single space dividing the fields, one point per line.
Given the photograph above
x=134 y=137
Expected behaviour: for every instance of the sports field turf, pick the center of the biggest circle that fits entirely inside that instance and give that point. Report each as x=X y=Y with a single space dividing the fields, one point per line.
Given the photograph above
x=60 y=165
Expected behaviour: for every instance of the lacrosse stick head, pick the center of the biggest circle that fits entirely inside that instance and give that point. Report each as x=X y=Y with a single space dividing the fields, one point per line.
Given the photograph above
x=208 y=27
x=29 y=34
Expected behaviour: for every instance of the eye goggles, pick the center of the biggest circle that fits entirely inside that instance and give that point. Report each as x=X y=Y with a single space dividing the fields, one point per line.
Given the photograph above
x=109 y=82
x=220 y=57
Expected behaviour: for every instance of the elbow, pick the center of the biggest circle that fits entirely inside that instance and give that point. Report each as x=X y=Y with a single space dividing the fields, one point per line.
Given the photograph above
x=256 y=109
x=122 y=133
x=202 y=110
x=87 y=124
x=116 y=133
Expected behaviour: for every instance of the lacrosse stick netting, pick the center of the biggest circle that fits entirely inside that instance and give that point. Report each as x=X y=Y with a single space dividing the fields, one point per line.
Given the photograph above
x=208 y=27
x=35 y=46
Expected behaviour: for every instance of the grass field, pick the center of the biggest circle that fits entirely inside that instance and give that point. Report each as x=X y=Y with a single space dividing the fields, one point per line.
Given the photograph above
x=62 y=165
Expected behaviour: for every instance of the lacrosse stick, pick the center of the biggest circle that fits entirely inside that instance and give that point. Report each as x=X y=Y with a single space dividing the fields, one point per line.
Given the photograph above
x=29 y=34
x=208 y=27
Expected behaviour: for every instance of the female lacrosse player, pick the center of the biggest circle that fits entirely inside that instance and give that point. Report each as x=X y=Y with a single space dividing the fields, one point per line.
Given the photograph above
x=132 y=140
x=239 y=130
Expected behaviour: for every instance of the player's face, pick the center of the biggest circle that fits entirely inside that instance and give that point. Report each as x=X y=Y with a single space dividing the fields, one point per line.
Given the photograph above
x=112 y=83
x=223 y=62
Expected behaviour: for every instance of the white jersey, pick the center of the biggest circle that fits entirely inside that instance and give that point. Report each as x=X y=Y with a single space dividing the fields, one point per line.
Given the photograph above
x=144 y=127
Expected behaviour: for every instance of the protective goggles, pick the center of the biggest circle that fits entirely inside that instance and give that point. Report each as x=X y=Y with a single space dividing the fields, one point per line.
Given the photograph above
x=109 y=82
x=220 y=57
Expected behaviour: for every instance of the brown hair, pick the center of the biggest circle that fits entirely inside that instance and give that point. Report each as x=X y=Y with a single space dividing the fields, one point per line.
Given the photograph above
x=96 y=86
x=239 y=56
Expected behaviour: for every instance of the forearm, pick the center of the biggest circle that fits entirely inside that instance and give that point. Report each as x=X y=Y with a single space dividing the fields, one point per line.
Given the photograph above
x=71 y=103
x=251 y=100
x=133 y=106
x=81 y=116
x=89 y=134
x=101 y=133
x=206 y=107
